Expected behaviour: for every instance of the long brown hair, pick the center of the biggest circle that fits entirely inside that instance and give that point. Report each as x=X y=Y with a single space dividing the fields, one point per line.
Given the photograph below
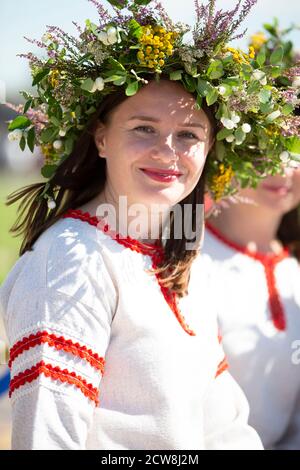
x=80 y=178
x=289 y=231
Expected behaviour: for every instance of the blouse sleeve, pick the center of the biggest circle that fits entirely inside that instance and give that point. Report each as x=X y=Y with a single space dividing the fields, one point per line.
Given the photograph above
x=226 y=414
x=58 y=323
x=291 y=439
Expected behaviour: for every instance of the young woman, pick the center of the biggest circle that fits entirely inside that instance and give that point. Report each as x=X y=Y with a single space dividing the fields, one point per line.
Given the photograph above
x=254 y=250
x=107 y=347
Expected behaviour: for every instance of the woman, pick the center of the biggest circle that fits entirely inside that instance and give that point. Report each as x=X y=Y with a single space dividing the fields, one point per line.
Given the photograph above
x=98 y=300
x=254 y=250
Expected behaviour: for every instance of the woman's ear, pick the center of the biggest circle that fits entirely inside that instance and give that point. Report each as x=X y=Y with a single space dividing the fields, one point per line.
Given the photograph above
x=100 y=138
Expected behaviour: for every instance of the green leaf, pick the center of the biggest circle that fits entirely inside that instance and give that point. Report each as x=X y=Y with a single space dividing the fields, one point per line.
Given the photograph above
x=203 y=87
x=232 y=81
x=22 y=143
x=48 y=171
x=190 y=83
x=240 y=134
x=120 y=4
x=199 y=100
x=223 y=133
x=20 y=122
x=31 y=138
x=39 y=76
x=266 y=108
x=116 y=65
x=176 y=75
x=293 y=145
x=277 y=56
x=261 y=57
x=264 y=95
x=287 y=109
x=135 y=29
x=115 y=77
x=87 y=85
x=47 y=135
x=215 y=69
x=142 y=2
x=69 y=144
x=132 y=88
x=55 y=121
x=212 y=97
x=220 y=150
x=270 y=28
x=120 y=81
x=27 y=105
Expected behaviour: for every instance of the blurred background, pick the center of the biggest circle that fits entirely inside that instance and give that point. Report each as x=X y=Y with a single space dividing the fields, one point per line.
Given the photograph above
x=17 y=169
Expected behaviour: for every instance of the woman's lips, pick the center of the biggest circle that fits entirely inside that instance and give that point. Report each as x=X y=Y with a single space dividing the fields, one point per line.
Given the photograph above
x=161 y=175
x=278 y=190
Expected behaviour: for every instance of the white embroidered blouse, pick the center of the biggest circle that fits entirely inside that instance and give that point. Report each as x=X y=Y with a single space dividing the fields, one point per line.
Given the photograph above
x=259 y=317
x=102 y=357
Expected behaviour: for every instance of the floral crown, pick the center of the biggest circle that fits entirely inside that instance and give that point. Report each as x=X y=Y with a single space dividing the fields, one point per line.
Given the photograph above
x=137 y=39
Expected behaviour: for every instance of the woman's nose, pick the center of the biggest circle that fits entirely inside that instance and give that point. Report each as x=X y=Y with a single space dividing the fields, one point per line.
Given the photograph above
x=165 y=150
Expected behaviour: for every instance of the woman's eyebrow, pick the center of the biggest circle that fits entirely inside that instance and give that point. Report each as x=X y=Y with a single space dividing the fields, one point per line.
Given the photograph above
x=153 y=119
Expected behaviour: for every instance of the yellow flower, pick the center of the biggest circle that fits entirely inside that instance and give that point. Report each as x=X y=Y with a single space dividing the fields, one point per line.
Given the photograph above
x=53 y=76
x=155 y=45
x=251 y=52
x=258 y=40
x=221 y=180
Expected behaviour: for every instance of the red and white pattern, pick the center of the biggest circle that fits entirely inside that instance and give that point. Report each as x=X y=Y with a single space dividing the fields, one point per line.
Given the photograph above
x=61 y=351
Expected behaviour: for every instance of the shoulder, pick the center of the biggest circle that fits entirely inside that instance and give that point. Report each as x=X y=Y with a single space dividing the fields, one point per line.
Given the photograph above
x=63 y=280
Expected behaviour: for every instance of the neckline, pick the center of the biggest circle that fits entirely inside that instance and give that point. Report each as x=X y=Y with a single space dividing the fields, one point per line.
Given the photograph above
x=127 y=241
x=264 y=258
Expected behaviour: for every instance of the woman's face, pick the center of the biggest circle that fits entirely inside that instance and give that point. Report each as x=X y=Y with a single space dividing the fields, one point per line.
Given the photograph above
x=278 y=193
x=155 y=145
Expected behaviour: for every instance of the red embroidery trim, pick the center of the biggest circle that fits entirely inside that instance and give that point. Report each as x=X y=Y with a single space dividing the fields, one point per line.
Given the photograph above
x=54 y=373
x=222 y=367
x=269 y=261
x=154 y=251
x=57 y=342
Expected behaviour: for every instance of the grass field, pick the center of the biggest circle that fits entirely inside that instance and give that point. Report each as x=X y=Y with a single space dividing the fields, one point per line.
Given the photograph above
x=9 y=245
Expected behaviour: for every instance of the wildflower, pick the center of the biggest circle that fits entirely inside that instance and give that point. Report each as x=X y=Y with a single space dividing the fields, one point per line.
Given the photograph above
x=230 y=138
x=156 y=45
x=246 y=128
x=98 y=85
x=62 y=133
x=258 y=40
x=108 y=37
x=284 y=156
x=222 y=90
x=51 y=203
x=221 y=180
x=53 y=77
x=15 y=135
x=57 y=144
x=296 y=82
x=231 y=123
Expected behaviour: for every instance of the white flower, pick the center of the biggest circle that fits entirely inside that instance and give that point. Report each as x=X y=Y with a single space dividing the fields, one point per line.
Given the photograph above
x=46 y=37
x=62 y=133
x=102 y=36
x=57 y=144
x=274 y=115
x=108 y=37
x=112 y=35
x=246 y=128
x=230 y=138
x=17 y=134
x=296 y=82
x=258 y=75
x=284 y=156
x=98 y=85
x=235 y=118
x=51 y=203
x=222 y=90
x=263 y=81
x=228 y=123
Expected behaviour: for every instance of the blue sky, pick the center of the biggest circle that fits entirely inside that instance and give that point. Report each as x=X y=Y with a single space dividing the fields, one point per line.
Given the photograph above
x=29 y=18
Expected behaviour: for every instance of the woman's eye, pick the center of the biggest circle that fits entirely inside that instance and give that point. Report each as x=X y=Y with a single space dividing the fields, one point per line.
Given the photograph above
x=145 y=129
x=188 y=135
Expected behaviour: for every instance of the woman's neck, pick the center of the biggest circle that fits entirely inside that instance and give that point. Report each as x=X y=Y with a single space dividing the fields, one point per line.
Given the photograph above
x=249 y=225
